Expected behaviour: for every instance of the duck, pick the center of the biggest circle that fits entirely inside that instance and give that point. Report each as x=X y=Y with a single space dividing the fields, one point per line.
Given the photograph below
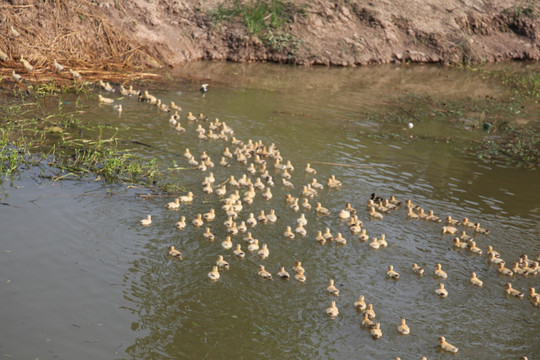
x=302 y=220
x=328 y=235
x=439 y=272
x=316 y=185
x=458 y=244
x=333 y=183
x=57 y=66
x=339 y=239
x=175 y=253
x=191 y=117
x=360 y=304
x=267 y=195
x=374 y=214
x=394 y=201
x=283 y=274
x=305 y=204
x=118 y=108
x=222 y=264
x=287 y=183
x=363 y=236
x=239 y=252
x=449 y=230
x=464 y=236
x=26 y=64
x=227 y=243
x=320 y=210
x=536 y=301
x=310 y=170
x=480 y=230
x=452 y=222
x=175 y=107
x=533 y=293
x=300 y=276
x=300 y=230
x=331 y=289
x=473 y=248
x=494 y=260
x=264 y=252
x=249 y=238
x=465 y=222
x=382 y=241
x=271 y=217
x=251 y=221
x=391 y=273
x=288 y=233
x=411 y=214
x=320 y=238
x=509 y=290
x=432 y=217
x=504 y=270
x=441 y=291
x=286 y=175
x=173 y=205
x=208 y=189
x=16 y=77
x=222 y=190
x=198 y=221
x=105 y=100
x=262 y=217
x=367 y=322
x=210 y=216
x=298 y=266
x=332 y=311
x=265 y=274
x=3 y=56
x=374 y=244
x=147 y=221
x=355 y=228
x=476 y=281
x=417 y=269
x=75 y=74
x=370 y=312
x=403 y=328
x=186 y=198
x=181 y=224
x=208 y=234
x=446 y=346
x=344 y=214
x=254 y=246
x=204 y=88
x=376 y=332
x=214 y=274
x=411 y=205
x=490 y=250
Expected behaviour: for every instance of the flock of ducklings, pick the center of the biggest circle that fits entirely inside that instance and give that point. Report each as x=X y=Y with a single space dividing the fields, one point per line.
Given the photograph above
x=264 y=163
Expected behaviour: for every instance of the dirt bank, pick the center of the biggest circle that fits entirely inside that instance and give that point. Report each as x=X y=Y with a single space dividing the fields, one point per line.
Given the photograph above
x=122 y=34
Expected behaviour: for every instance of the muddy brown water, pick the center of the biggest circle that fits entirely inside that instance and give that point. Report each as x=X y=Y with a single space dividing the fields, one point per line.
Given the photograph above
x=80 y=278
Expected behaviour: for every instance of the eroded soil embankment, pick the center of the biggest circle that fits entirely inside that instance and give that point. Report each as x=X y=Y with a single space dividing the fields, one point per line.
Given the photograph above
x=146 y=33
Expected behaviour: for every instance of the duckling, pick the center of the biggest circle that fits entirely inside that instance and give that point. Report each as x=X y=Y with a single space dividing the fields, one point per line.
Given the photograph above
x=452 y=222
x=222 y=264
x=374 y=244
x=286 y=175
x=283 y=274
x=320 y=238
x=465 y=222
x=509 y=290
x=394 y=201
x=302 y=220
x=26 y=64
x=441 y=291
x=494 y=260
x=367 y=322
x=191 y=117
x=105 y=100
x=382 y=241
x=518 y=270
x=439 y=272
x=210 y=216
x=249 y=238
x=271 y=217
x=173 y=205
x=327 y=235
x=411 y=205
x=473 y=248
x=14 y=32
x=417 y=269
x=175 y=253
x=298 y=266
x=310 y=170
x=238 y=251
x=332 y=311
x=264 y=252
x=305 y=204
x=476 y=281
x=331 y=289
x=460 y=244
x=376 y=332
x=262 y=218
x=227 y=243
x=403 y=328
x=355 y=228
x=118 y=108
x=300 y=276
x=267 y=195
x=198 y=221
x=533 y=293
x=147 y=221
x=254 y=246
x=449 y=230
x=391 y=273
x=186 y=198
x=504 y=270
x=75 y=74
x=464 y=236
x=536 y=301
x=57 y=66
x=344 y=214
x=300 y=230
x=181 y=224
x=411 y=214
x=208 y=234
x=333 y=182
x=320 y=210
x=339 y=239
x=432 y=217
x=251 y=221
x=370 y=312
x=316 y=185
x=363 y=236
x=491 y=251
x=446 y=346
x=214 y=274
x=374 y=214
x=288 y=233
x=222 y=190
x=480 y=230
x=287 y=183
x=360 y=304
x=175 y=107
x=208 y=189
x=16 y=77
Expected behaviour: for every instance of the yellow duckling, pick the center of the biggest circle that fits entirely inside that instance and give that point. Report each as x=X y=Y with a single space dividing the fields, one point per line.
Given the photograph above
x=490 y=250
x=175 y=253
x=536 y=301
x=328 y=235
x=105 y=100
x=287 y=183
x=332 y=311
x=271 y=217
x=449 y=230
x=223 y=162
x=446 y=346
x=75 y=74
x=441 y=291
x=344 y=214
x=310 y=170
x=374 y=244
x=458 y=244
x=417 y=269
x=298 y=266
x=254 y=246
x=432 y=217
x=249 y=238
x=374 y=214
x=198 y=221
x=187 y=198
x=509 y=290
x=238 y=251
x=147 y=221
x=227 y=243
x=494 y=260
x=208 y=189
x=263 y=273
x=476 y=281
x=376 y=332
x=191 y=117
x=465 y=222
x=464 y=236
x=262 y=217
x=210 y=216
x=411 y=214
x=16 y=77
x=267 y=195
x=26 y=64
x=222 y=264
x=394 y=201
x=288 y=233
x=305 y=204
x=316 y=185
x=294 y=206
x=320 y=210
x=504 y=270
x=370 y=312
x=233 y=229
x=173 y=205
x=473 y=248
x=391 y=273
x=264 y=252
x=302 y=220
x=439 y=272
x=363 y=236
x=360 y=304
x=251 y=221
x=320 y=238
x=299 y=276
x=208 y=235
x=422 y=215
x=367 y=322
x=480 y=230
x=283 y=274
x=222 y=190
x=450 y=221
x=181 y=224
x=403 y=328
x=214 y=274
x=331 y=289
x=382 y=241
x=339 y=239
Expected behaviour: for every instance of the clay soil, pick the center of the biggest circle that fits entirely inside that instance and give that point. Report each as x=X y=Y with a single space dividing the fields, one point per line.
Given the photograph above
x=140 y=34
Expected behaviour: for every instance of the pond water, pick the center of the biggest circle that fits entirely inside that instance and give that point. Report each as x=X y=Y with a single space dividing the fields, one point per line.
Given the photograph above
x=80 y=278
